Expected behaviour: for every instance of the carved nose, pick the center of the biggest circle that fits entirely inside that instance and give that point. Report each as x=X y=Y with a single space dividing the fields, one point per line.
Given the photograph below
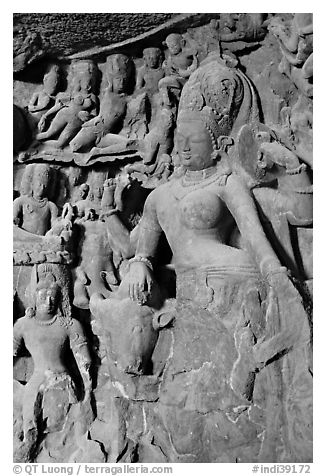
x=186 y=146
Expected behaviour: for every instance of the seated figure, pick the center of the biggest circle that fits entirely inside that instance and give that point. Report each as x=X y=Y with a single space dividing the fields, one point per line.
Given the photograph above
x=102 y=132
x=151 y=72
x=224 y=340
x=45 y=98
x=71 y=111
x=178 y=66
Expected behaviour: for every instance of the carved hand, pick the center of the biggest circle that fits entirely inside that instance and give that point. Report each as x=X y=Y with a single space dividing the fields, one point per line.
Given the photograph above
x=140 y=282
x=83 y=116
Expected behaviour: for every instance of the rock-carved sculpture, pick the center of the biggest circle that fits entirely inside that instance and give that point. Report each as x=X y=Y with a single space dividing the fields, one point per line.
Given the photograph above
x=296 y=43
x=45 y=98
x=100 y=230
x=178 y=221
x=71 y=111
x=151 y=72
x=197 y=212
x=36 y=213
x=47 y=330
x=178 y=66
x=282 y=188
x=39 y=234
x=156 y=147
x=102 y=131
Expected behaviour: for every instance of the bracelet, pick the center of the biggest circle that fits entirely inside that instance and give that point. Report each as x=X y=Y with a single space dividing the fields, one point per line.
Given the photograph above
x=297 y=170
x=141 y=259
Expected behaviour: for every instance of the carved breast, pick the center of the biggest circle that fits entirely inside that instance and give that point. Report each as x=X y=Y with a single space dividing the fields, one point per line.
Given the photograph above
x=201 y=209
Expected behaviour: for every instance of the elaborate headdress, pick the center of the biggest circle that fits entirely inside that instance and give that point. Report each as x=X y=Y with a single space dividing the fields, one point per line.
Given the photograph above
x=214 y=94
x=44 y=276
x=222 y=97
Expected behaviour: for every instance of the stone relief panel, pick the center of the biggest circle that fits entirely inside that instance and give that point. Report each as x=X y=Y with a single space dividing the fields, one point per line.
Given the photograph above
x=163 y=242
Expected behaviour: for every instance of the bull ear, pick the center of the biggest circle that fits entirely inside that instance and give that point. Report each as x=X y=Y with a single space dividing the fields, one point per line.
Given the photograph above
x=164 y=43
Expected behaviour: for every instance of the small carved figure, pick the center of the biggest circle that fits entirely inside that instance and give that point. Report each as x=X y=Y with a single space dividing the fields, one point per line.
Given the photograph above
x=243 y=27
x=157 y=145
x=96 y=182
x=95 y=270
x=81 y=204
x=178 y=66
x=47 y=330
x=44 y=99
x=102 y=130
x=151 y=72
x=135 y=124
x=295 y=130
x=35 y=213
x=282 y=189
x=71 y=112
x=296 y=43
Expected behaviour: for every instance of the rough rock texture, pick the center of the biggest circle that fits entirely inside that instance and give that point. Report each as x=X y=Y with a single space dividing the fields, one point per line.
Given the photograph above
x=61 y=34
x=163 y=238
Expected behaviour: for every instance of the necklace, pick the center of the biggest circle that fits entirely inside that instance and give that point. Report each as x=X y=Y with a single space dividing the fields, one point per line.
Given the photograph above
x=198 y=179
x=45 y=323
x=193 y=177
x=41 y=202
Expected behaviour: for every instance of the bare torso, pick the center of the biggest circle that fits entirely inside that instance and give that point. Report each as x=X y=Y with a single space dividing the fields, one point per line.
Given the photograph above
x=197 y=225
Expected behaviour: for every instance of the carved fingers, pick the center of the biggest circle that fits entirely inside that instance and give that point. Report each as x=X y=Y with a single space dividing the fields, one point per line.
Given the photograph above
x=140 y=282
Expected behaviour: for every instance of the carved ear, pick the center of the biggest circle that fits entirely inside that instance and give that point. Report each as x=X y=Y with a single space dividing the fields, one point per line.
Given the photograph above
x=183 y=42
x=164 y=43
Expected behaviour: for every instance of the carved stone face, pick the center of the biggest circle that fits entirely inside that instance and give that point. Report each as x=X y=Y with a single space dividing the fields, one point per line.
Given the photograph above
x=119 y=84
x=174 y=43
x=194 y=145
x=47 y=300
x=151 y=57
x=97 y=191
x=40 y=186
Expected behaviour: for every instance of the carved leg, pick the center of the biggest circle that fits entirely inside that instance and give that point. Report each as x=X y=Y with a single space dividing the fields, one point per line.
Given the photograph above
x=86 y=137
x=68 y=133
